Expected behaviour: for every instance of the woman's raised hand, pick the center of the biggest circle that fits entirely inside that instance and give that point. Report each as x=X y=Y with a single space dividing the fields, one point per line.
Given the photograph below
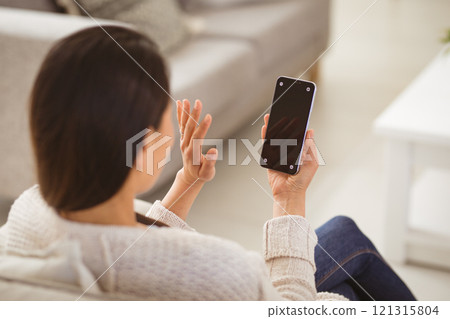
x=196 y=166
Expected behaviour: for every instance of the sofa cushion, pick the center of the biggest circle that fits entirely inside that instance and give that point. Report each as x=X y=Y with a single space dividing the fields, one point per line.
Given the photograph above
x=41 y=5
x=274 y=28
x=215 y=70
x=46 y=26
x=162 y=20
x=191 y=5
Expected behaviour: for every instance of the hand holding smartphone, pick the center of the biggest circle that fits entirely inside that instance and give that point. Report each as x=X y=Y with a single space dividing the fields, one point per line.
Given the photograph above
x=288 y=122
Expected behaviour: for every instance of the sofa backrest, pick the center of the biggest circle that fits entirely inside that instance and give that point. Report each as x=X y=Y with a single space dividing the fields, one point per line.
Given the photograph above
x=41 y=5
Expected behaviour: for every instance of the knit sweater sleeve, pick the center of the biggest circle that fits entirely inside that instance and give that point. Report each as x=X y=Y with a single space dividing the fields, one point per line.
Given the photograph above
x=289 y=243
x=162 y=214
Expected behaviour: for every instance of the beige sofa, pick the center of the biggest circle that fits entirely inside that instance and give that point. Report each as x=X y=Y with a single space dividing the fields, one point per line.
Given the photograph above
x=231 y=64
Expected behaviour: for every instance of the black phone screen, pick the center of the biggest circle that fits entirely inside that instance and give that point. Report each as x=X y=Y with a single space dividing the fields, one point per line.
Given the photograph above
x=288 y=122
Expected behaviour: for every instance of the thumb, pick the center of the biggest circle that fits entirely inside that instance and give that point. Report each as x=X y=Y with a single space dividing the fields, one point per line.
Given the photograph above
x=207 y=170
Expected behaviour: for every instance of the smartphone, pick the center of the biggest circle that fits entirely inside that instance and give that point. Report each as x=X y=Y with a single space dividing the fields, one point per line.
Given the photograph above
x=289 y=116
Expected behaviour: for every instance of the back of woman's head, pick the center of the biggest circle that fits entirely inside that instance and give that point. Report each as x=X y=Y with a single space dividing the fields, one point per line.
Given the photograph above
x=94 y=91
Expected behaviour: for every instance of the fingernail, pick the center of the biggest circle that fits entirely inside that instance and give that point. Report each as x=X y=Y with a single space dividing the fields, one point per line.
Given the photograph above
x=213 y=156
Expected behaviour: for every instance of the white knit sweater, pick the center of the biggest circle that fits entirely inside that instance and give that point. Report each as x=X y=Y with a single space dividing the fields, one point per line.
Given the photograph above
x=163 y=263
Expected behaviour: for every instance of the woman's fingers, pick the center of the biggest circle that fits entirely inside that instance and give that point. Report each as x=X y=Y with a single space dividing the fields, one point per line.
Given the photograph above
x=192 y=122
x=185 y=112
x=188 y=121
x=202 y=129
x=200 y=133
x=211 y=155
x=264 y=128
x=309 y=149
x=179 y=112
x=313 y=147
x=207 y=169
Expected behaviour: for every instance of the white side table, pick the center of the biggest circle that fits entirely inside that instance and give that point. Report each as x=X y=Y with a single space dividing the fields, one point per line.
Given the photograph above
x=417 y=128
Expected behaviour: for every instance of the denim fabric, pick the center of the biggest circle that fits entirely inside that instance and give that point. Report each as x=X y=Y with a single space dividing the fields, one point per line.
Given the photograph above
x=340 y=239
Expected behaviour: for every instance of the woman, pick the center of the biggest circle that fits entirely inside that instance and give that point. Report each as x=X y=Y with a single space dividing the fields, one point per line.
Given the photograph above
x=88 y=100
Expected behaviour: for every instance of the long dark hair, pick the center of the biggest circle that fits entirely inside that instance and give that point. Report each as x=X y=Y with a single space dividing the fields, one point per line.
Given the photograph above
x=89 y=97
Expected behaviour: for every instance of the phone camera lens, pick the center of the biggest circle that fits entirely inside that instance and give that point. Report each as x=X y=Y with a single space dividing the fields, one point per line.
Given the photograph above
x=281 y=83
x=308 y=89
x=265 y=160
x=291 y=166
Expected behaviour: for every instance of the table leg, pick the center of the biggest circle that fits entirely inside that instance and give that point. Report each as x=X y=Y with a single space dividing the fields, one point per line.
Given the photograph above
x=399 y=175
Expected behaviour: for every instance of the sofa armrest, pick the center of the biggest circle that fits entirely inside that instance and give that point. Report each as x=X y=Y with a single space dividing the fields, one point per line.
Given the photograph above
x=46 y=26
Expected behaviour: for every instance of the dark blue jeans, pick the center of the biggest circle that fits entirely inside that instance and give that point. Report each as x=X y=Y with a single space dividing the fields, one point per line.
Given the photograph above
x=340 y=239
